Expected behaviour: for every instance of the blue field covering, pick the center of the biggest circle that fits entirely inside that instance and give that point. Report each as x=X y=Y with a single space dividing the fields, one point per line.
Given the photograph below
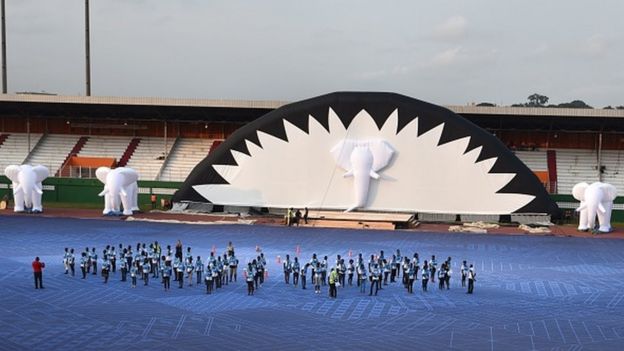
x=532 y=293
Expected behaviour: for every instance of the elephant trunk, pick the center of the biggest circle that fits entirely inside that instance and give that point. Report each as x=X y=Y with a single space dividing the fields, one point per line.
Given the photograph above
x=27 y=186
x=362 y=162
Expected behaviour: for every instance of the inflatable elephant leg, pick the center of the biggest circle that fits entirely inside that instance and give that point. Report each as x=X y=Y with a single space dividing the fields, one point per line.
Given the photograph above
x=604 y=219
x=36 y=201
x=583 y=221
x=18 y=198
x=108 y=204
x=125 y=202
x=133 y=195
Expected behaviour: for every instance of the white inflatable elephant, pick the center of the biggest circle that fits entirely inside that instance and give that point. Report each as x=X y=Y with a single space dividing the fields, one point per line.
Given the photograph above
x=120 y=189
x=596 y=200
x=362 y=159
x=27 y=187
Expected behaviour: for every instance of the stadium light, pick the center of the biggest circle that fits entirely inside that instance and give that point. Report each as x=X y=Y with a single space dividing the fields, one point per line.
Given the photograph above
x=4 y=64
x=87 y=50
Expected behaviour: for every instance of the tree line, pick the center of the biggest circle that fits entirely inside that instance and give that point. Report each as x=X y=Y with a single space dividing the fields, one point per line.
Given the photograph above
x=539 y=100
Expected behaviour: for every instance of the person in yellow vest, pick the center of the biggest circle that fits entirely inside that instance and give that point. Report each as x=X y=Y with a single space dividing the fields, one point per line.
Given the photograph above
x=289 y=216
x=333 y=281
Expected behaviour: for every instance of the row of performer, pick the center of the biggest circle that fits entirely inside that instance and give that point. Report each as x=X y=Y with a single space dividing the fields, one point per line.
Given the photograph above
x=147 y=262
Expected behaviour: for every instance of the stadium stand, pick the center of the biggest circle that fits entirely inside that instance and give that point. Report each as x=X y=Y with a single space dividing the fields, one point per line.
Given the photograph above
x=105 y=146
x=185 y=155
x=14 y=149
x=612 y=162
x=52 y=151
x=574 y=166
x=535 y=160
x=148 y=157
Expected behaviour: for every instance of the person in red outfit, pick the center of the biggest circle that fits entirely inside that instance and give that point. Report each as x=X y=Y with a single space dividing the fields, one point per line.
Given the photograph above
x=38 y=271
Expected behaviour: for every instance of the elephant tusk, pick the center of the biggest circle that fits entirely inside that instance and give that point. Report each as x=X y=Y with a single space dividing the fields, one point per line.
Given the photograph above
x=351 y=208
x=582 y=207
x=104 y=192
x=17 y=189
x=38 y=190
x=348 y=174
x=601 y=208
x=373 y=174
x=123 y=193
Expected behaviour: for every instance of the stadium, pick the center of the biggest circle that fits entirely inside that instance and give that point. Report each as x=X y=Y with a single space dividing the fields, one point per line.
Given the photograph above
x=563 y=298
x=350 y=213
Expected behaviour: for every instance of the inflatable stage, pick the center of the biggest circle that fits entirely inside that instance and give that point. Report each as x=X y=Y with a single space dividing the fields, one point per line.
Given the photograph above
x=367 y=151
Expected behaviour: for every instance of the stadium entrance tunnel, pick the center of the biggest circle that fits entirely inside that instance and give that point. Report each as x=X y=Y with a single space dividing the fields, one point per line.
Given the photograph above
x=367 y=151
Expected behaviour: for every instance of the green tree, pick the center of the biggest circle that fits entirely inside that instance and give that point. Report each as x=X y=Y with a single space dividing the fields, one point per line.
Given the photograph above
x=537 y=100
x=575 y=104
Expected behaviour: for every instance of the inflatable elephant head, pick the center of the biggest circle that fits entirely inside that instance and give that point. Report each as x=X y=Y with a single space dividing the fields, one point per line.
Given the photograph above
x=27 y=187
x=120 y=189
x=596 y=200
x=362 y=160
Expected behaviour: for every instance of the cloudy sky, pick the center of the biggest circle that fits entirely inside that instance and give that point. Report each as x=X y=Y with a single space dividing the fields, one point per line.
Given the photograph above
x=446 y=52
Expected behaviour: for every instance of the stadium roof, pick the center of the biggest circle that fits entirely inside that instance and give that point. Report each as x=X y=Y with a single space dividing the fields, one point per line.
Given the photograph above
x=243 y=111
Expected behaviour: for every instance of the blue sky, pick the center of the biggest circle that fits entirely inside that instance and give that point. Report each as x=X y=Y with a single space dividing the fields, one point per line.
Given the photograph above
x=446 y=52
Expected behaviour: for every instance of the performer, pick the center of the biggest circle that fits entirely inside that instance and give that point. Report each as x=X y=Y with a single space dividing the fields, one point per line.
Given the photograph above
x=442 y=276
x=134 y=270
x=287 y=267
x=146 y=271
x=350 y=271
x=209 y=279
x=94 y=258
x=112 y=258
x=66 y=260
x=249 y=277
x=295 y=270
x=189 y=269
x=361 y=274
x=399 y=261
x=318 y=276
x=304 y=271
x=433 y=265
x=72 y=262
x=472 y=277
x=333 y=281
x=199 y=269
x=38 y=267
x=166 y=275
x=105 y=266
x=447 y=281
x=425 y=275
x=341 y=269
x=324 y=264
x=464 y=273
x=123 y=266
x=180 y=273
x=374 y=278
x=233 y=262
x=84 y=263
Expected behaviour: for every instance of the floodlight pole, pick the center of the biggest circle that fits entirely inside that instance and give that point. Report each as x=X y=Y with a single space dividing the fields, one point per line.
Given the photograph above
x=87 y=50
x=4 y=63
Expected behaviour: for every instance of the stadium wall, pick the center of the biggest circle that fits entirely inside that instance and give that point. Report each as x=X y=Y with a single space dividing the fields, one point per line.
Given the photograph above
x=84 y=192
x=73 y=192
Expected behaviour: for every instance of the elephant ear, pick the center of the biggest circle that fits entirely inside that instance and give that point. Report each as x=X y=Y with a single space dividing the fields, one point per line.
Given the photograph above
x=42 y=172
x=578 y=191
x=610 y=192
x=12 y=172
x=128 y=176
x=382 y=154
x=101 y=174
x=342 y=154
